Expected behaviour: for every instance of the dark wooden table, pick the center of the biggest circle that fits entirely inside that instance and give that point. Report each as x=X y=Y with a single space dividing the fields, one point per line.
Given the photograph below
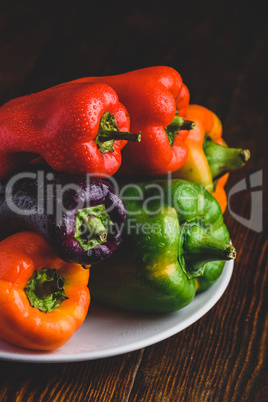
x=220 y=49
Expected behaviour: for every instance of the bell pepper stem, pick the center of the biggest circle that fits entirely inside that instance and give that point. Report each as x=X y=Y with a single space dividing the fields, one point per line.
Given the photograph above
x=45 y=290
x=91 y=226
x=223 y=159
x=181 y=124
x=199 y=247
x=177 y=124
x=107 y=135
x=96 y=227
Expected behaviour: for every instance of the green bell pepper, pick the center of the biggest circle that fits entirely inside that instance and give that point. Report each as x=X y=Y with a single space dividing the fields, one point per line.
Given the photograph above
x=174 y=244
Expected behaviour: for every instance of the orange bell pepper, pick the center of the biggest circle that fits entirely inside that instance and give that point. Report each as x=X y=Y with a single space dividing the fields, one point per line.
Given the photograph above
x=219 y=192
x=43 y=299
x=209 y=158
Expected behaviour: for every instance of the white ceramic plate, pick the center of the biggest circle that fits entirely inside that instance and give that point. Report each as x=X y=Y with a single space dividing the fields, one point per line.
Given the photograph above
x=108 y=332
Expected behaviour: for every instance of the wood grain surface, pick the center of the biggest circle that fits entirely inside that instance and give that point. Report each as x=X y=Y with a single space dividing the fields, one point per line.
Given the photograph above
x=220 y=48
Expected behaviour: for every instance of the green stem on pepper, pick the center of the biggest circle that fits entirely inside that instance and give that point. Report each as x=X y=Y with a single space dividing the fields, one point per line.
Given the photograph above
x=45 y=290
x=177 y=124
x=223 y=159
x=108 y=133
x=199 y=247
x=91 y=226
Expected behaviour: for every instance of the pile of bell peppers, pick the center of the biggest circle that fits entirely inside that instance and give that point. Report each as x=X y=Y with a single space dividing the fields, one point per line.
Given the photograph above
x=144 y=252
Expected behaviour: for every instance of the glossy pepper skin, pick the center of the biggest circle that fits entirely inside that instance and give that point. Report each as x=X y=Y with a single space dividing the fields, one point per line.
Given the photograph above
x=152 y=96
x=64 y=126
x=209 y=159
x=39 y=312
x=174 y=243
x=79 y=216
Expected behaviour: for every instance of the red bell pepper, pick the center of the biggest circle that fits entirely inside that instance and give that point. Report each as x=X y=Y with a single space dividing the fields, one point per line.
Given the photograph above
x=77 y=128
x=157 y=100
